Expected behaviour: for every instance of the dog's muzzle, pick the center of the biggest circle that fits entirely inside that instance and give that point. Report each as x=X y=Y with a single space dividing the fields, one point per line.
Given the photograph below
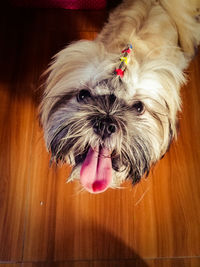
x=104 y=127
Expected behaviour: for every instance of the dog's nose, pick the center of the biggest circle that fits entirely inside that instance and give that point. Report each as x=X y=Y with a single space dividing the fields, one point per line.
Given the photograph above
x=104 y=127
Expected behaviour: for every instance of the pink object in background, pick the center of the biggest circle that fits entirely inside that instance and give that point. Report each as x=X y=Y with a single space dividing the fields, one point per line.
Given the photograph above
x=67 y=4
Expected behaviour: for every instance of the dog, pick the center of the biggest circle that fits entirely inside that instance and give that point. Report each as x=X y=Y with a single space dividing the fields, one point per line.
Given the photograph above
x=109 y=107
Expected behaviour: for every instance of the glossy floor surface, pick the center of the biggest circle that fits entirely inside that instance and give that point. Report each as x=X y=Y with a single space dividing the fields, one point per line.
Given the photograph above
x=47 y=222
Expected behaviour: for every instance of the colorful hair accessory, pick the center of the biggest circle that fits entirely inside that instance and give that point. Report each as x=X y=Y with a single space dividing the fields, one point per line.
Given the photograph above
x=126 y=50
x=124 y=61
x=119 y=72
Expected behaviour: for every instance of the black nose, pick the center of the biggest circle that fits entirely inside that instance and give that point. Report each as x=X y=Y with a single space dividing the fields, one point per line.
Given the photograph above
x=104 y=127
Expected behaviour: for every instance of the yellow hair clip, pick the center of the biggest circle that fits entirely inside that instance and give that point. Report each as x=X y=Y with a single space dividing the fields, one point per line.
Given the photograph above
x=124 y=59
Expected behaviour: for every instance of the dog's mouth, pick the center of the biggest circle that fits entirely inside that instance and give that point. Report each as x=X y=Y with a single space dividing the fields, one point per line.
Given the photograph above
x=96 y=169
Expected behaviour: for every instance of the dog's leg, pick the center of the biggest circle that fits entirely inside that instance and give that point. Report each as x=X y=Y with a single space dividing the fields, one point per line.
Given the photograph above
x=186 y=15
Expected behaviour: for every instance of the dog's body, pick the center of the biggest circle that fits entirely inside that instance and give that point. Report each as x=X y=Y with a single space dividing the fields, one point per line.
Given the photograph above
x=111 y=126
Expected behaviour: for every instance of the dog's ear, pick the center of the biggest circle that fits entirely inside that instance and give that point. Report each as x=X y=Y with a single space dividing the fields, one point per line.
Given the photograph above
x=71 y=65
x=186 y=15
x=72 y=59
x=172 y=135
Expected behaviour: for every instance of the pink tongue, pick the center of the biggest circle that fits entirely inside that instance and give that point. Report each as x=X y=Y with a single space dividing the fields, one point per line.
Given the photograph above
x=96 y=170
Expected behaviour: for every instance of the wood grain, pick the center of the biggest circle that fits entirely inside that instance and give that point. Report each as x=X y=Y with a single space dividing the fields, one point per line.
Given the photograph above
x=46 y=222
x=189 y=262
x=16 y=135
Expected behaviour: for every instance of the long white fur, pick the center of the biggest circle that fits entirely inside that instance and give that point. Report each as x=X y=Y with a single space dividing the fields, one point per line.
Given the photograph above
x=164 y=35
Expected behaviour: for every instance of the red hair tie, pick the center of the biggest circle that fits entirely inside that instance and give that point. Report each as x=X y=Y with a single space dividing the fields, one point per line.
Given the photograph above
x=119 y=72
x=126 y=50
x=124 y=61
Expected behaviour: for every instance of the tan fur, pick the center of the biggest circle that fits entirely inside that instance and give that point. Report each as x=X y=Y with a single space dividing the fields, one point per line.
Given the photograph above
x=164 y=35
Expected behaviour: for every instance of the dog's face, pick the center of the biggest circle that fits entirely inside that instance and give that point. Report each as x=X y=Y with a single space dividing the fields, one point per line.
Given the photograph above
x=109 y=129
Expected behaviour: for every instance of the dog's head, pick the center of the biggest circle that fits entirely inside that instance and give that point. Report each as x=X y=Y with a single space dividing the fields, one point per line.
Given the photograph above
x=107 y=127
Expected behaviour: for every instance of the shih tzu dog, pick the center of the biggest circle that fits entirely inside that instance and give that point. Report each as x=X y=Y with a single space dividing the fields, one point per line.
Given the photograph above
x=110 y=105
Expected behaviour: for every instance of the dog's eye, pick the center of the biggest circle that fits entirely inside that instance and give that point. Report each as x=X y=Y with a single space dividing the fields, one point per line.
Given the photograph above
x=112 y=98
x=82 y=95
x=138 y=107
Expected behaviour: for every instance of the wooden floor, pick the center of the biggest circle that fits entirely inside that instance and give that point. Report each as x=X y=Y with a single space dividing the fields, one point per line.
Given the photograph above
x=46 y=222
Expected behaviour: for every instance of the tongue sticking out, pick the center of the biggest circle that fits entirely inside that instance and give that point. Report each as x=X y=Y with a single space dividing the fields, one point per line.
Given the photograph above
x=96 y=171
